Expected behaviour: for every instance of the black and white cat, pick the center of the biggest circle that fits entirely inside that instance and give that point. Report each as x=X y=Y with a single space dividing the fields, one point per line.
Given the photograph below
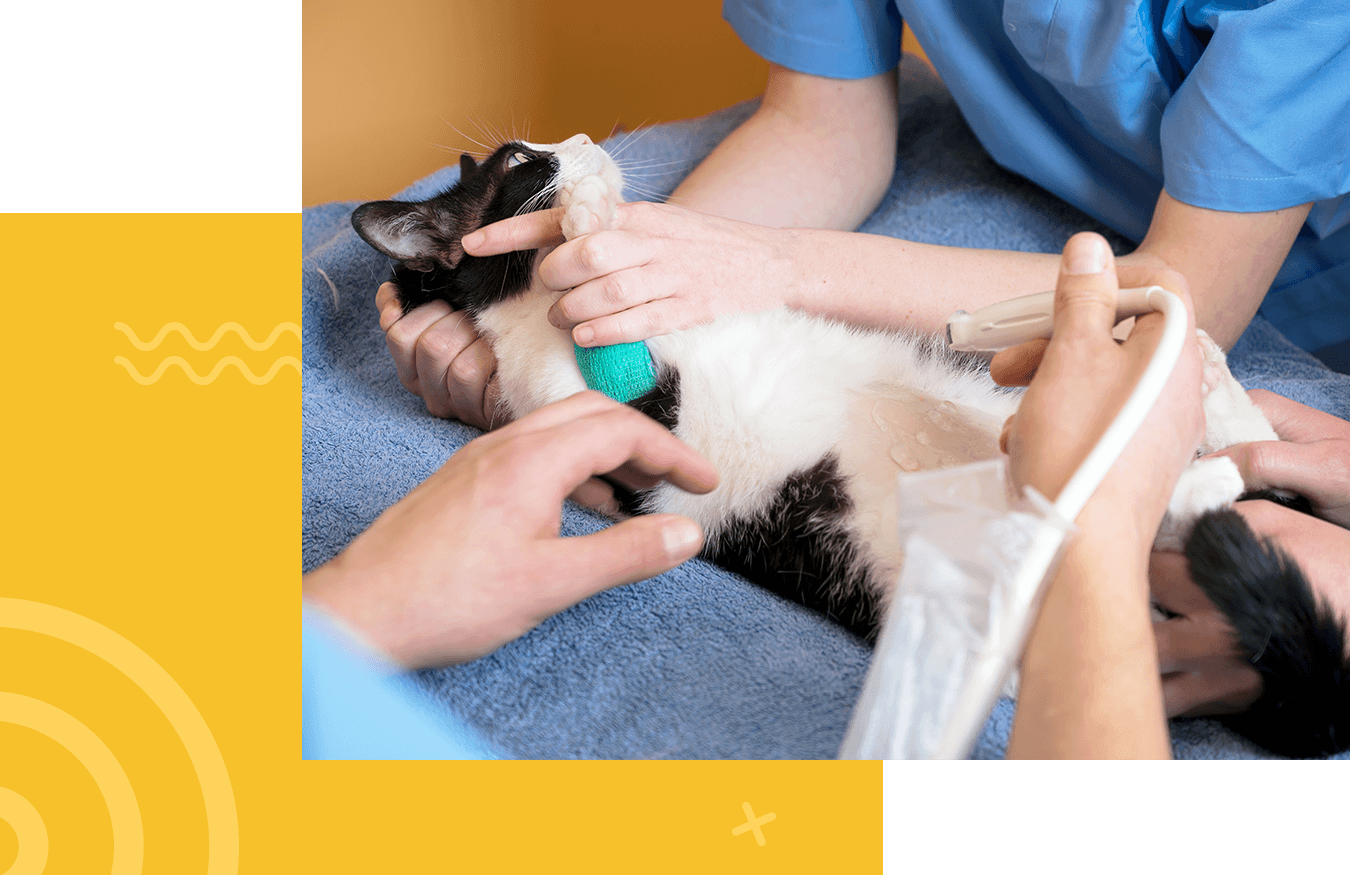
x=807 y=420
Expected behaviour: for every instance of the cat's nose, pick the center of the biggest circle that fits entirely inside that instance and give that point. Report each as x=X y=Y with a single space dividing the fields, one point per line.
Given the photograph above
x=579 y=140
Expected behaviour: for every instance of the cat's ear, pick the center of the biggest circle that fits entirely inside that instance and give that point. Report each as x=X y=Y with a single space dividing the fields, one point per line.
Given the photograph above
x=407 y=232
x=467 y=167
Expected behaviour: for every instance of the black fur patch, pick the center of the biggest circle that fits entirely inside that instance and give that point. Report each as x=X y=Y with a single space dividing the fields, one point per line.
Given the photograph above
x=663 y=402
x=1296 y=642
x=430 y=265
x=796 y=549
x=663 y=405
x=1293 y=502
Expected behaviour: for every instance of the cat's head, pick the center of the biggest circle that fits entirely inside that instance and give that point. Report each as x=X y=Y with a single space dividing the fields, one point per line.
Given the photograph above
x=424 y=237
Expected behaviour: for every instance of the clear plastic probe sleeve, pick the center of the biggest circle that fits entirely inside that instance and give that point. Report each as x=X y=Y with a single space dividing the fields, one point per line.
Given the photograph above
x=975 y=568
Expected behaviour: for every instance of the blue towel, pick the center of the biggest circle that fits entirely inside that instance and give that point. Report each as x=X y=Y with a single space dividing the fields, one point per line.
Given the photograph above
x=696 y=663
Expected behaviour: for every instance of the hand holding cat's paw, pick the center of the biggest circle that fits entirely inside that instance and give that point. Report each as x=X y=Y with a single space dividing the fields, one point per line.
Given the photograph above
x=1311 y=457
x=650 y=269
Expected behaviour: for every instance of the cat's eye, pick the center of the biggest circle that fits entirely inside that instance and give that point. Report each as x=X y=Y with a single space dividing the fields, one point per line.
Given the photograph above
x=518 y=158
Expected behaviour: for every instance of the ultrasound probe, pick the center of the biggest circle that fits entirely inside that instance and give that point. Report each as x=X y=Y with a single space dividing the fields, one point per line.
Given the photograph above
x=977 y=563
x=1009 y=323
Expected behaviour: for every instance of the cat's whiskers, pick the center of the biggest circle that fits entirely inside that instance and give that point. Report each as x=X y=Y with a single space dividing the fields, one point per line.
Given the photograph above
x=460 y=151
x=482 y=128
x=643 y=194
x=488 y=148
x=498 y=134
x=493 y=134
x=640 y=187
x=627 y=163
x=632 y=138
x=537 y=198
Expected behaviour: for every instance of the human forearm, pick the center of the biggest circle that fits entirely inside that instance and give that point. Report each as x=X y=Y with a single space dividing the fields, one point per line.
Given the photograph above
x=1229 y=259
x=1089 y=685
x=818 y=153
x=889 y=283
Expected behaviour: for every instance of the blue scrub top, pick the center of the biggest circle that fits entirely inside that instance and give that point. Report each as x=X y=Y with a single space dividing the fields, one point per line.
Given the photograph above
x=1237 y=106
x=356 y=705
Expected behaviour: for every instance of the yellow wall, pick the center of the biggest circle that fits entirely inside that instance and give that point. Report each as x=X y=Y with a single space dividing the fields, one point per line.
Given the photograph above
x=388 y=83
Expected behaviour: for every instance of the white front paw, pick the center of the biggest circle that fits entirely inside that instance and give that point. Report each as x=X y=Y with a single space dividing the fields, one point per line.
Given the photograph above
x=1206 y=484
x=588 y=207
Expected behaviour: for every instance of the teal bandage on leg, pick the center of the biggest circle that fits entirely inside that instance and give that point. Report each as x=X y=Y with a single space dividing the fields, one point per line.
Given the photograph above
x=623 y=372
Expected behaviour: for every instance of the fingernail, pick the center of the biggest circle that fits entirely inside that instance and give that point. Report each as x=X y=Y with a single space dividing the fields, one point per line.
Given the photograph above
x=682 y=538
x=473 y=241
x=583 y=335
x=1086 y=255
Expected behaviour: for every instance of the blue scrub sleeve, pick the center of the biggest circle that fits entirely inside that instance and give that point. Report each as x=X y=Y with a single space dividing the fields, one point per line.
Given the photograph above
x=1262 y=121
x=840 y=39
x=357 y=706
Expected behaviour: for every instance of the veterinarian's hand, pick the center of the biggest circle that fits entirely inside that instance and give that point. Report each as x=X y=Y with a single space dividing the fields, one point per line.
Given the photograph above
x=441 y=359
x=657 y=268
x=471 y=558
x=1090 y=678
x=1204 y=672
x=1083 y=376
x=1312 y=457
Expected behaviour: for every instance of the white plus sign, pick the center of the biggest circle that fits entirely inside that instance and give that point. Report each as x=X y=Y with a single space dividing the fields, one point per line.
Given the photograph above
x=753 y=823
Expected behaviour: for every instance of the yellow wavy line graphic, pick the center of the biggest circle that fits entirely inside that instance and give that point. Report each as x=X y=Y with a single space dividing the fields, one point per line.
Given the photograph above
x=215 y=338
x=215 y=372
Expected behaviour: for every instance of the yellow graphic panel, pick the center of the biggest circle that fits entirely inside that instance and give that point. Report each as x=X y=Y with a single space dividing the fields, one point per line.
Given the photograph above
x=150 y=611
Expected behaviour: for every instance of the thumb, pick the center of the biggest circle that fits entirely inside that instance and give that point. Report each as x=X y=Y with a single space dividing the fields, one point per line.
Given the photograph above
x=626 y=552
x=1272 y=465
x=1085 y=295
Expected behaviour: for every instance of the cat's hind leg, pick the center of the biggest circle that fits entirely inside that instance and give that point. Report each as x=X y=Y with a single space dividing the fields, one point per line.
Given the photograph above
x=1230 y=418
x=1230 y=415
